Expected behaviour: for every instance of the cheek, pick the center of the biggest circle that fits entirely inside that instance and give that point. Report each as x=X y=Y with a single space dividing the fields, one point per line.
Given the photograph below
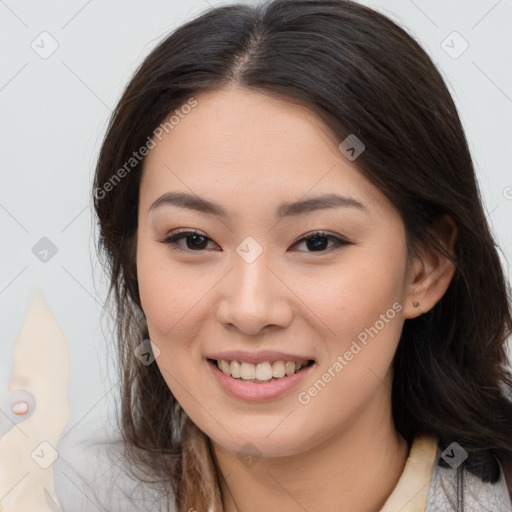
x=155 y=290
x=166 y=290
x=361 y=312
x=170 y=296
x=159 y=287
x=354 y=295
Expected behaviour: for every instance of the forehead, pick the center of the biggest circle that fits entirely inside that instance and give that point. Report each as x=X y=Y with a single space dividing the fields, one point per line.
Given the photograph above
x=241 y=146
x=244 y=124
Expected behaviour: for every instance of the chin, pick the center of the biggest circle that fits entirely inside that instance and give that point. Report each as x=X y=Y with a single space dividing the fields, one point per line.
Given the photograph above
x=261 y=442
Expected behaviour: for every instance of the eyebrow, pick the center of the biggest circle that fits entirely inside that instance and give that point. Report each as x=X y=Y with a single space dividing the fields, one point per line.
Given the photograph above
x=286 y=209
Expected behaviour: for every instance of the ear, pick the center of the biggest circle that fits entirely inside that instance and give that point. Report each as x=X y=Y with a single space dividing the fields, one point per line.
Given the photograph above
x=430 y=273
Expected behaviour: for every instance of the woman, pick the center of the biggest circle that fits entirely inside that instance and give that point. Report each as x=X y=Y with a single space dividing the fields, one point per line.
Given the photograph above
x=309 y=301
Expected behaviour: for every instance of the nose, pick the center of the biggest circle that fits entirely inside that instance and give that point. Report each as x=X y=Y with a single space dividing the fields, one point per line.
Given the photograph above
x=254 y=297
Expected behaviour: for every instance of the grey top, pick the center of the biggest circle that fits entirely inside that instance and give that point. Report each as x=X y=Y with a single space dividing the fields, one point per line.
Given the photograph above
x=473 y=495
x=96 y=480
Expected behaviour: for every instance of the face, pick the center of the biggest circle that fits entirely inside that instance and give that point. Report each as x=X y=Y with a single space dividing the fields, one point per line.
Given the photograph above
x=242 y=283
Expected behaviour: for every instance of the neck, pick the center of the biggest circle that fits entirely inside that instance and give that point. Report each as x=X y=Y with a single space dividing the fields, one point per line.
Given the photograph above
x=353 y=471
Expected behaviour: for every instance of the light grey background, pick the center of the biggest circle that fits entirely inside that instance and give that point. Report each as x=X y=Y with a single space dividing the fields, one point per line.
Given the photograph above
x=53 y=116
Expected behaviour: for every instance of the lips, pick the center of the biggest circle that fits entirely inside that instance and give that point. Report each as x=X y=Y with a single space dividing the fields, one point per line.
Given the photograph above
x=255 y=390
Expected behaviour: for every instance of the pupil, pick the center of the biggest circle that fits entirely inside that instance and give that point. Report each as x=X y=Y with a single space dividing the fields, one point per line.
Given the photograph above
x=197 y=245
x=317 y=245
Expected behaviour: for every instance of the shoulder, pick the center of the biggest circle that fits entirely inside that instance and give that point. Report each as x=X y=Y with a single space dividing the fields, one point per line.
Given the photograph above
x=474 y=494
x=94 y=476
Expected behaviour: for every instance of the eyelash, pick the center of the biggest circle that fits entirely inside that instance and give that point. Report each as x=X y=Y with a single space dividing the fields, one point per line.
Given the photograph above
x=173 y=239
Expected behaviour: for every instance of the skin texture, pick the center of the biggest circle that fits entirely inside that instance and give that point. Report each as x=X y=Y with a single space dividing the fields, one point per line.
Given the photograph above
x=250 y=152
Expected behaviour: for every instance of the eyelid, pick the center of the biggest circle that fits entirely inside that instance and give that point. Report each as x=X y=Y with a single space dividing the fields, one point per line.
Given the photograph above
x=339 y=241
x=171 y=239
x=319 y=233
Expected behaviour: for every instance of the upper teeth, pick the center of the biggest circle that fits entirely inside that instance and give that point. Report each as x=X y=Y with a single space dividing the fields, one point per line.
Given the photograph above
x=261 y=371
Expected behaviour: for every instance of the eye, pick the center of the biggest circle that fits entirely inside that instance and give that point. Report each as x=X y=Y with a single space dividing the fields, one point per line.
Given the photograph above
x=318 y=241
x=197 y=242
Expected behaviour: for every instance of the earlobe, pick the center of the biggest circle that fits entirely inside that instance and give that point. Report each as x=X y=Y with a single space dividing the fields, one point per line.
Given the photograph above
x=432 y=271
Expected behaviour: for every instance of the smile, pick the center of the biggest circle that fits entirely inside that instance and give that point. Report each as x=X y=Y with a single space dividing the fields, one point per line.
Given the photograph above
x=262 y=372
x=259 y=383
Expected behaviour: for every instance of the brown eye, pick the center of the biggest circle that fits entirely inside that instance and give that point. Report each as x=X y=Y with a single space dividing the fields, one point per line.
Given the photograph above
x=318 y=241
x=194 y=241
x=197 y=242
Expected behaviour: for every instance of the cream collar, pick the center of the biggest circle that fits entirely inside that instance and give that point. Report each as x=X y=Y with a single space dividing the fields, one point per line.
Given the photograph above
x=411 y=491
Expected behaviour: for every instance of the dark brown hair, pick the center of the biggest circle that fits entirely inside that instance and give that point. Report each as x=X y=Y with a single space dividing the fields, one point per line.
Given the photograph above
x=364 y=75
